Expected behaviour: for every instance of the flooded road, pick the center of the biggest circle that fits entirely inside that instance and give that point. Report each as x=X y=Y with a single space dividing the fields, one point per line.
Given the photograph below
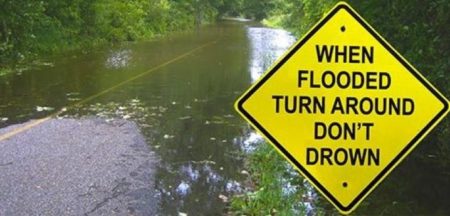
x=180 y=91
x=182 y=105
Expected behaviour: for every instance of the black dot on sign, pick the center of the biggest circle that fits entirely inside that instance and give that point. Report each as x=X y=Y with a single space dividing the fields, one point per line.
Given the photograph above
x=344 y=184
x=343 y=29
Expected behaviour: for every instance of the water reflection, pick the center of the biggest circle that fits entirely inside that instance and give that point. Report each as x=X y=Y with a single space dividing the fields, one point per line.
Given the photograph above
x=183 y=188
x=267 y=45
x=249 y=141
x=118 y=59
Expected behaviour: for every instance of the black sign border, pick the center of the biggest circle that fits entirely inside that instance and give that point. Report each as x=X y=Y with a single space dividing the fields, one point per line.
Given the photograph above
x=396 y=160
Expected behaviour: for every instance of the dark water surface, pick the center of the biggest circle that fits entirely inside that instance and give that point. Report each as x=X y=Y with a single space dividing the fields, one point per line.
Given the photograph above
x=185 y=109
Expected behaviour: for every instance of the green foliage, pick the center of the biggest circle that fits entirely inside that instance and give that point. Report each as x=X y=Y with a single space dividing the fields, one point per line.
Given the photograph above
x=231 y=8
x=269 y=176
x=257 y=10
x=29 y=28
x=15 y=33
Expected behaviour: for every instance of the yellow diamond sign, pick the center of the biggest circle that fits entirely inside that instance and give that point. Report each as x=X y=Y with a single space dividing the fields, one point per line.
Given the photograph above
x=343 y=107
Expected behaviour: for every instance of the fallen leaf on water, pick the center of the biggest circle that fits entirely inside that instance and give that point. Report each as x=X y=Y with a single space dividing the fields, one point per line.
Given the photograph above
x=72 y=93
x=185 y=117
x=162 y=109
x=223 y=198
x=40 y=109
x=167 y=136
x=244 y=172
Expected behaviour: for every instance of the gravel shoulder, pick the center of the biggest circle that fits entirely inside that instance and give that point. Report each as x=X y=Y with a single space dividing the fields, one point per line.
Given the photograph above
x=77 y=167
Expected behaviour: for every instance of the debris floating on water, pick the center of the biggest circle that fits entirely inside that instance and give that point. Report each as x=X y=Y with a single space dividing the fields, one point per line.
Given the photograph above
x=135 y=100
x=44 y=108
x=223 y=198
x=185 y=117
x=244 y=172
x=167 y=136
x=73 y=94
x=162 y=109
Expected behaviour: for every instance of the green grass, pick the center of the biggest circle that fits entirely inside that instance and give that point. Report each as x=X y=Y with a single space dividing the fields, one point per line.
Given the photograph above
x=274 y=188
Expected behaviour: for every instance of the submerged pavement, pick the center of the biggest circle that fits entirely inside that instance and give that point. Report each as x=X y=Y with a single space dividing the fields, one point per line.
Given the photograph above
x=77 y=167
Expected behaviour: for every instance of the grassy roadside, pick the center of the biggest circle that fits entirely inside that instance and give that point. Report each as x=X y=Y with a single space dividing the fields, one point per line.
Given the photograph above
x=273 y=186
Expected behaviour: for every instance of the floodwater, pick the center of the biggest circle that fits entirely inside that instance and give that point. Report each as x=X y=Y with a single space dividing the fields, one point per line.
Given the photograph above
x=183 y=105
x=184 y=109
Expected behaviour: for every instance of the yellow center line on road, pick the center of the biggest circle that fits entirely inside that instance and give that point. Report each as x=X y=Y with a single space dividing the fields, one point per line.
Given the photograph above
x=64 y=109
